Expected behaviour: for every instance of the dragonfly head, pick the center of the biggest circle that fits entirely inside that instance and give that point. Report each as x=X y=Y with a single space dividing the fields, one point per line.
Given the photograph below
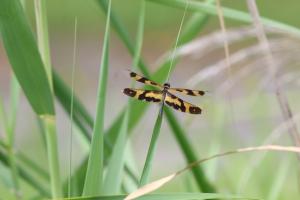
x=167 y=85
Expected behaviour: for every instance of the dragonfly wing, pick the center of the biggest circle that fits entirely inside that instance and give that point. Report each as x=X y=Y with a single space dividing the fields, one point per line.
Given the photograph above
x=187 y=91
x=181 y=105
x=144 y=80
x=144 y=95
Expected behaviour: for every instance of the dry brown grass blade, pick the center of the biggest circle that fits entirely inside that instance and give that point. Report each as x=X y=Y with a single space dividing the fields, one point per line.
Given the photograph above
x=256 y=160
x=254 y=64
x=161 y=182
x=272 y=65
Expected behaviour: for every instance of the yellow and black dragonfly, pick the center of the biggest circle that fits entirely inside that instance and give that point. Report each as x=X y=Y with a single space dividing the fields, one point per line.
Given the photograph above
x=164 y=95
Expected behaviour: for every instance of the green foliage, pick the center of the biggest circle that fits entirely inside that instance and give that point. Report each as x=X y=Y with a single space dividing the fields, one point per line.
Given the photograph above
x=24 y=57
x=94 y=173
x=102 y=172
x=177 y=196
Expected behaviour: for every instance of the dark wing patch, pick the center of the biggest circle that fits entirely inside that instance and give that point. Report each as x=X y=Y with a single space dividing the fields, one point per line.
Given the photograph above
x=188 y=91
x=183 y=106
x=144 y=80
x=144 y=95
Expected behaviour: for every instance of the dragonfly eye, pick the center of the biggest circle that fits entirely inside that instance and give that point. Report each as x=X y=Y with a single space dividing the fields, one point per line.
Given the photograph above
x=167 y=85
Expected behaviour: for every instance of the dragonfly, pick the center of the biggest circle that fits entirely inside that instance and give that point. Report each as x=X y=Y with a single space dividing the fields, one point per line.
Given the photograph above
x=163 y=95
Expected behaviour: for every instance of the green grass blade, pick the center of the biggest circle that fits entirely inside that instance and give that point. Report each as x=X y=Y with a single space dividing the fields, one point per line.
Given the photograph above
x=227 y=12
x=123 y=34
x=113 y=179
x=159 y=76
x=193 y=26
x=42 y=37
x=9 y=126
x=27 y=163
x=84 y=121
x=26 y=176
x=24 y=57
x=14 y=99
x=186 y=147
x=28 y=67
x=279 y=180
x=8 y=145
x=63 y=92
x=149 y=159
x=167 y=196
x=81 y=116
x=94 y=174
x=52 y=152
x=48 y=121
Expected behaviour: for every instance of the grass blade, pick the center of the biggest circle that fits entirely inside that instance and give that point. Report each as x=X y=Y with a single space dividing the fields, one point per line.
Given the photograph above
x=28 y=67
x=123 y=34
x=228 y=13
x=81 y=116
x=14 y=98
x=113 y=179
x=42 y=37
x=148 y=163
x=49 y=122
x=26 y=176
x=94 y=174
x=24 y=57
x=166 y=196
x=112 y=182
x=160 y=75
x=84 y=120
x=186 y=147
x=155 y=185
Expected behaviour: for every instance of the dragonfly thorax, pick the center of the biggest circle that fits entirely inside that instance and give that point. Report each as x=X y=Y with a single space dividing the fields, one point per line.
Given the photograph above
x=167 y=86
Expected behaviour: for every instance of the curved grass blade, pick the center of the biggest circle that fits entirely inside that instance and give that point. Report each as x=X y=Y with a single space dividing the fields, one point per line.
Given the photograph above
x=28 y=67
x=94 y=174
x=24 y=57
x=167 y=196
x=49 y=122
x=228 y=13
x=155 y=185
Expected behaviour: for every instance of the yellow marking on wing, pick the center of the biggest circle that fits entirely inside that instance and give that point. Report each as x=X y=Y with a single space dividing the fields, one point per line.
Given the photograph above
x=144 y=80
x=188 y=91
x=181 y=105
x=144 y=95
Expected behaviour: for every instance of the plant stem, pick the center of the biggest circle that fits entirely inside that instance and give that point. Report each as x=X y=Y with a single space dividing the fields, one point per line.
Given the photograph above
x=148 y=163
x=52 y=151
x=9 y=126
x=49 y=120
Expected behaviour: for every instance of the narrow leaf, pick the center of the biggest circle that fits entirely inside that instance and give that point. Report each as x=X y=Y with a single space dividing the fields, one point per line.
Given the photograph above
x=146 y=189
x=227 y=12
x=94 y=174
x=149 y=159
x=24 y=57
x=167 y=196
